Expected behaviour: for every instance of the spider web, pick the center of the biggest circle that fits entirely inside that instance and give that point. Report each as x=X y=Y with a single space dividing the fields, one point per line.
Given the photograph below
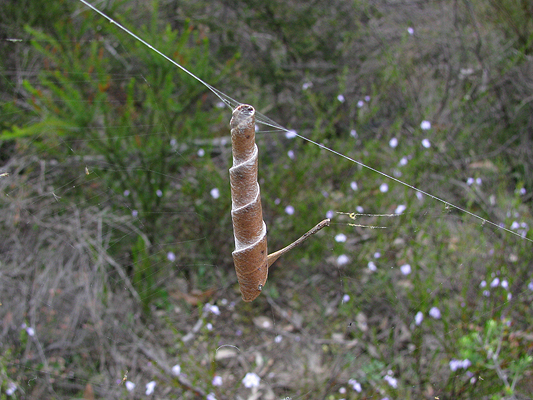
x=96 y=299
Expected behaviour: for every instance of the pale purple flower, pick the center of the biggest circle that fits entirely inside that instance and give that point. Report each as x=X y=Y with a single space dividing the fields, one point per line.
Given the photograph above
x=509 y=296
x=341 y=237
x=483 y=284
x=377 y=254
x=200 y=152
x=355 y=385
x=150 y=386
x=278 y=339
x=522 y=191
x=220 y=104
x=434 y=312
x=419 y=196
x=251 y=380
x=217 y=380
x=159 y=193
x=209 y=326
x=353 y=133
x=134 y=213
x=486 y=293
x=176 y=370
x=469 y=181
x=307 y=85
x=359 y=209
x=530 y=285
x=215 y=193
x=30 y=331
x=353 y=185
x=383 y=188
x=210 y=396
x=406 y=269
x=505 y=284
x=11 y=388
x=277 y=201
x=478 y=181
x=290 y=134
x=214 y=309
x=419 y=317
x=410 y=31
x=340 y=97
x=345 y=298
x=371 y=266
x=342 y=260
x=171 y=256
x=393 y=382
x=360 y=103
x=459 y=364
x=393 y=142
x=174 y=142
x=367 y=98
x=426 y=143
x=495 y=283
x=342 y=390
x=129 y=386
x=290 y=153
x=400 y=209
x=403 y=161
x=289 y=210
x=330 y=214
x=514 y=225
x=126 y=193
x=425 y=125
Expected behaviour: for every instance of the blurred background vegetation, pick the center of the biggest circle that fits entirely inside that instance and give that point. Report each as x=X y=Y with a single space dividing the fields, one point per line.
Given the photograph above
x=115 y=213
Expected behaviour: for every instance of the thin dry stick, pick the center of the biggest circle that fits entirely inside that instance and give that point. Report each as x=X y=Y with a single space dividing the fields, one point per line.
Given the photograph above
x=250 y=255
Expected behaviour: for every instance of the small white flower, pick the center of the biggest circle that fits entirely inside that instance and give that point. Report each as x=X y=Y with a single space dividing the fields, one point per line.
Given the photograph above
x=426 y=143
x=425 y=125
x=469 y=181
x=495 y=282
x=393 y=142
x=30 y=331
x=410 y=31
x=340 y=97
x=150 y=386
x=406 y=269
x=353 y=185
x=171 y=256
x=434 y=312
x=214 y=309
x=341 y=237
x=215 y=193
x=278 y=339
x=251 y=380
x=129 y=386
x=200 y=152
x=290 y=134
x=372 y=266
x=383 y=188
x=289 y=210
x=400 y=209
x=360 y=103
x=505 y=284
x=342 y=260
x=419 y=317
x=403 y=161
x=176 y=370
x=345 y=298
x=210 y=396
x=342 y=390
x=514 y=225
x=359 y=209
x=217 y=380
x=353 y=133
x=290 y=153
x=209 y=326
x=159 y=193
